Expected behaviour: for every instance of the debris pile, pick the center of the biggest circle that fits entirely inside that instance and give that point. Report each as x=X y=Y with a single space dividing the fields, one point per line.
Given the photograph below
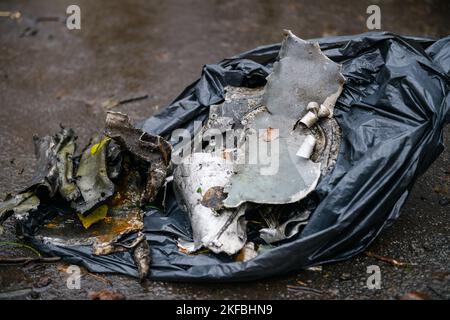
x=263 y=151
x=286 y=128
x=96 y=197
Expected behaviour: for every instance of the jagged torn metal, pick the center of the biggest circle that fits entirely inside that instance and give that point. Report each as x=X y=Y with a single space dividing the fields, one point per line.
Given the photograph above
x=198 y=181
x=301 y=75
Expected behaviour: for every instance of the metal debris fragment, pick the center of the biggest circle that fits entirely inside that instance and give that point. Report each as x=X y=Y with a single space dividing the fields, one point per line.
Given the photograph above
x=105 y=187
x=303 y=74
x=93 y=181
x=277 y=231
x=109 y=184
x=238 y=103
x=54 y=170
x=311 y=117
x=18 y=205
x=307 y=147
x=65 y=150
x=141 y=256
x=153 y=150
x=247 y=253
x=219 y=230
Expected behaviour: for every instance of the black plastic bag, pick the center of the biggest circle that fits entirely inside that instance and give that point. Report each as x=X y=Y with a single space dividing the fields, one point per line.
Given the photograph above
x=392 y=112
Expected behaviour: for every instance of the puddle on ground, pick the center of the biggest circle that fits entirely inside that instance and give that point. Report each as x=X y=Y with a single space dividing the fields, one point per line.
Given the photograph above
x=67 y=229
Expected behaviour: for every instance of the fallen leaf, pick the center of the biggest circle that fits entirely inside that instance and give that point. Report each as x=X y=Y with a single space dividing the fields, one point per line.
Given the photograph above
x=106 y=294
x=300 y=282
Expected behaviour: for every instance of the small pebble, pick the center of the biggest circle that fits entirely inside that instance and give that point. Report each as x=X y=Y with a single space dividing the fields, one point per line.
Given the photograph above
x=345 y=276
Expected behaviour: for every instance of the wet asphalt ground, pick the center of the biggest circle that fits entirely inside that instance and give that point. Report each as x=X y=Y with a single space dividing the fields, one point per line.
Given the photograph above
x=51 y=76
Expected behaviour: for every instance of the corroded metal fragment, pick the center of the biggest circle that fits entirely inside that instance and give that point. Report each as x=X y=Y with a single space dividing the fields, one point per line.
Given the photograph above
x=141 y=256
x=55 y=165
x=106 y=187
x=144 y=147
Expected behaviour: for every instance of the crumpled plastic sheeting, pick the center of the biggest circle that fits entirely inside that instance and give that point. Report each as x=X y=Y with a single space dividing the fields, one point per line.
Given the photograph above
x=392 y=112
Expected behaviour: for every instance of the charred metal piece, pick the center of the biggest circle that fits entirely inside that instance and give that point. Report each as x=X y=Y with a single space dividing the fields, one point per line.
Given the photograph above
x=239 y=101
x=139 y=248
x=247 y=252
x=277 y=231
x=54 y=170
x=18 y=205
x=307 y=147
x=294 y=112
x=141 y=255
x=114 y=160
x=213 y=198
